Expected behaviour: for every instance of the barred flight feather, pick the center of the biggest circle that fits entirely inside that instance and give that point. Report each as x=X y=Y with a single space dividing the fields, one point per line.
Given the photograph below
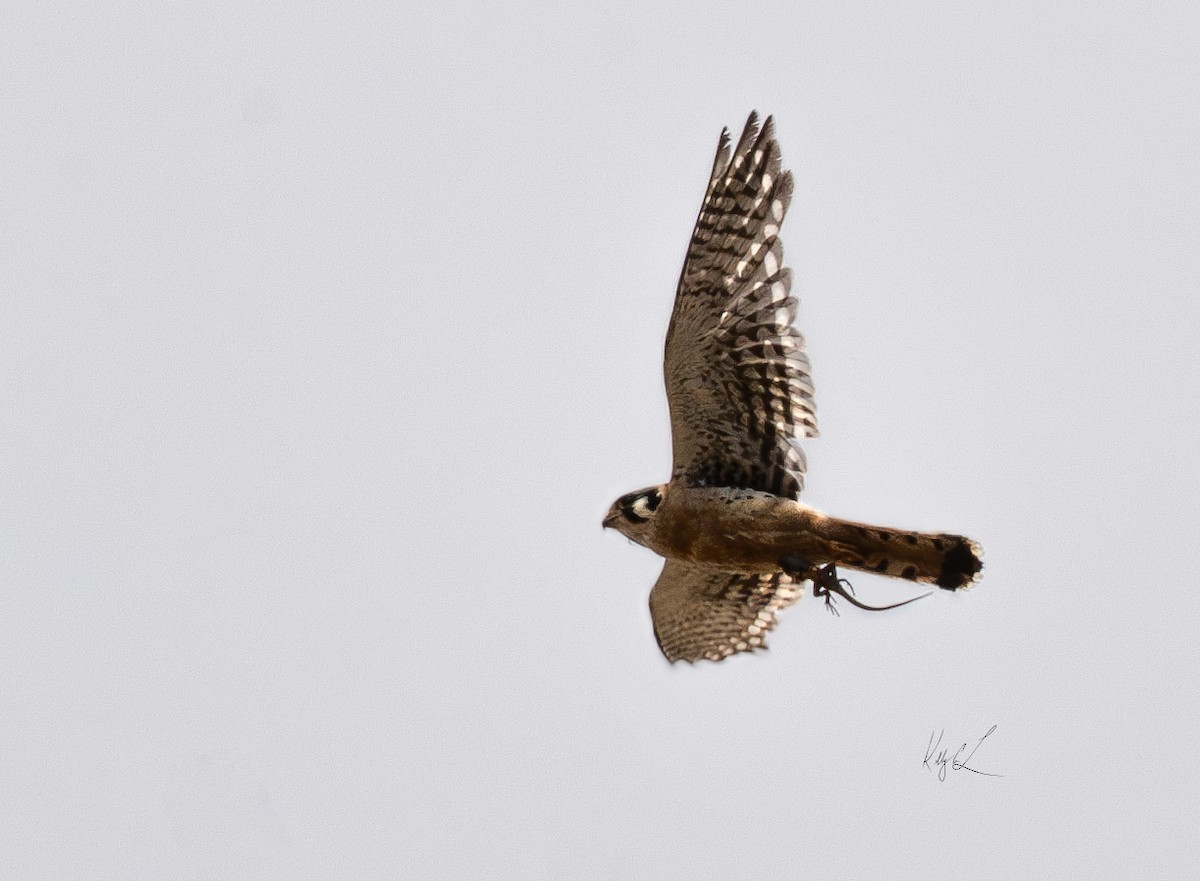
x=705 y=613
x=738 y=379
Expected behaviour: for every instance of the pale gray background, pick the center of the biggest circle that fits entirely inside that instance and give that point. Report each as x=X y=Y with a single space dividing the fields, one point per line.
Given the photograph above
x=328 y=333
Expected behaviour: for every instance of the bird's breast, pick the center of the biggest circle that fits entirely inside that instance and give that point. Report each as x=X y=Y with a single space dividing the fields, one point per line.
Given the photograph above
x=734 y=529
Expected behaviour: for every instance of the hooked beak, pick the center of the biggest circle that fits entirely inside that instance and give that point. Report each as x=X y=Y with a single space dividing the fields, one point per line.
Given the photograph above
x=610 y=518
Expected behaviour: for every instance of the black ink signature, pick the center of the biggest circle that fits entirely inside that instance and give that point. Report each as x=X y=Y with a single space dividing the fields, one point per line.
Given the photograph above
x=944 y=760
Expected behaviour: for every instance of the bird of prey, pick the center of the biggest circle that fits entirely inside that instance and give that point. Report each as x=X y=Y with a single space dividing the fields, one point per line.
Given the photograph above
x=738 y=542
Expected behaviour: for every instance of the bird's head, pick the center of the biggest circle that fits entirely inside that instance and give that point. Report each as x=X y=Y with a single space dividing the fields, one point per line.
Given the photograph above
x=632 y=515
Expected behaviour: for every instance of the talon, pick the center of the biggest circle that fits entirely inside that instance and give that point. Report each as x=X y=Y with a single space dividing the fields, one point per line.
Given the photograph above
x=822 y=582
x=826 y=583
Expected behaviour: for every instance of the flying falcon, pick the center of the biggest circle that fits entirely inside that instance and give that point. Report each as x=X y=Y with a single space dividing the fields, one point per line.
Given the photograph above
x=737 y=541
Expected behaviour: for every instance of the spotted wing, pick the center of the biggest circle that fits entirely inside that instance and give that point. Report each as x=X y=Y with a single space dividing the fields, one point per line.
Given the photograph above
x=737 y=376
x=704 y=613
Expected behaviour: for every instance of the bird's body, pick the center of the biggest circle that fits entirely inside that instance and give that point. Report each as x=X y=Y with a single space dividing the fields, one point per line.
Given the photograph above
x=750 y=531
x=737 y=541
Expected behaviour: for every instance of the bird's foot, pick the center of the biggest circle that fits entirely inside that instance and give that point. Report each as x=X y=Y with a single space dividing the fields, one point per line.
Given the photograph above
x=824 y=578
x=826 y=583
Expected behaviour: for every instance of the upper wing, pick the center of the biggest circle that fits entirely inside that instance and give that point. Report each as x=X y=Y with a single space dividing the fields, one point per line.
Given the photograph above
x=737 y=377
x=701 y=612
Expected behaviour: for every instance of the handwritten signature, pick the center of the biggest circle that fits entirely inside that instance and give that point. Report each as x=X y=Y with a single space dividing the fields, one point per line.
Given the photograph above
x=943 y=760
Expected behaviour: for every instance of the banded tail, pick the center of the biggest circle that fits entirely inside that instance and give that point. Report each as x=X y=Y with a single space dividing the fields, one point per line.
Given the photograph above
x=951 y=562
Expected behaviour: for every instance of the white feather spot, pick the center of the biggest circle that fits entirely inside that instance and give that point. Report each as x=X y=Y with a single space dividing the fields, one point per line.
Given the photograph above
x=770 y=263
x=758 y=154
x=770 y=231
x=778 y=292
x=777 y=210
x=755 y=248
x=766 y=182
x=642 y=508
x=741 y=267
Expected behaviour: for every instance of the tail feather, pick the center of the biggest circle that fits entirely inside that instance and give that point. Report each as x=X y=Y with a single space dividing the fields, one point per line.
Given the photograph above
x=951 y=562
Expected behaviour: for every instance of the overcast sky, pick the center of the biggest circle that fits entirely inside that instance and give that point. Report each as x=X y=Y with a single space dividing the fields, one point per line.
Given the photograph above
x=329 y=331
